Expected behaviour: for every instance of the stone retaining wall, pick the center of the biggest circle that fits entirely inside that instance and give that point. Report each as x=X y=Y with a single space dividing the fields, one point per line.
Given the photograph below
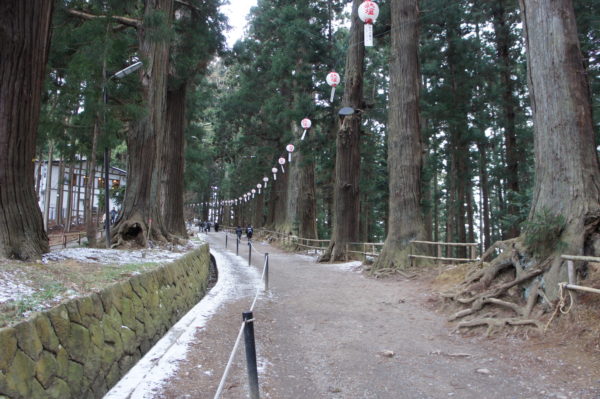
x=81 y=348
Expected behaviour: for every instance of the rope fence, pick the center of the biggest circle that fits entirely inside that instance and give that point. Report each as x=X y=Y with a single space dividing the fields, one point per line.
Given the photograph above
x=247 y=330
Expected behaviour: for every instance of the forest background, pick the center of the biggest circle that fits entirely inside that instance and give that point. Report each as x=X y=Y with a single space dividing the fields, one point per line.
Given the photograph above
x=222 y=118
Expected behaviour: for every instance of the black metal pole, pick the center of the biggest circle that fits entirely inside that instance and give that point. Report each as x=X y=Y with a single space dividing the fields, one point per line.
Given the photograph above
x=267 y=271
x=226 y=239
x=237 y=245
x=250 y=355
x=249 y=253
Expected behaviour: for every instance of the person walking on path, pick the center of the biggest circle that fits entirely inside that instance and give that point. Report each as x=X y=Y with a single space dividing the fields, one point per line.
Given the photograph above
x=249 y=232
x=238 y=232
x=216 y=227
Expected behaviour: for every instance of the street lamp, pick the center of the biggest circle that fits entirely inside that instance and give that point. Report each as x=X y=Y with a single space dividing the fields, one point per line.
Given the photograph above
x=118 y=75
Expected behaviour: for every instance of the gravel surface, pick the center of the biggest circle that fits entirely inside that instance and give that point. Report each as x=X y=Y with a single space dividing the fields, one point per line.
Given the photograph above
x=327 y=331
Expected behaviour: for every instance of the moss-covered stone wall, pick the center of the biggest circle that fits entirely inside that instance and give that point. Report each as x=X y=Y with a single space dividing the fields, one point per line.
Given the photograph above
x=81 y=348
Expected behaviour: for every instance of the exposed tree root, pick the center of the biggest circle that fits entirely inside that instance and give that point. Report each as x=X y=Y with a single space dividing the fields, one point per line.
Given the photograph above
x=494 y=286
x=499 y=323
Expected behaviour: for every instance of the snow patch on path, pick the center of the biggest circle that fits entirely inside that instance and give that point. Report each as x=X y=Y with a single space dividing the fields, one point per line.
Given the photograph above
x=236 y=281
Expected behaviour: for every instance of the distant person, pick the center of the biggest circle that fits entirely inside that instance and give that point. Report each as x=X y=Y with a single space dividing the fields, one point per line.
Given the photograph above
x=238 y=232
x=113 y=216
x=216 y=227
x=249 y=231
x=206 y=226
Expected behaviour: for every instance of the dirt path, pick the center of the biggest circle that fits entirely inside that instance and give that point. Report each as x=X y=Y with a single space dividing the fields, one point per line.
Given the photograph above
x=326 y=331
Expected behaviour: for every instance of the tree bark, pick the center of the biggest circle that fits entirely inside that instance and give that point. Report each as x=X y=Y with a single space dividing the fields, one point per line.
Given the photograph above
x=70 y=198
x=347 y=161
x=24 y=45
x=60 y=188
x=509 y=105
x=142 y=204
x=566 y=165
x=173 y=161
x=485 y=196
x=404 y=138
x=90 y=224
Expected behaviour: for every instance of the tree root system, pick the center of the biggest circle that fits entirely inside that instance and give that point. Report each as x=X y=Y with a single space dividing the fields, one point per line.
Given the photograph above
x=508 y=288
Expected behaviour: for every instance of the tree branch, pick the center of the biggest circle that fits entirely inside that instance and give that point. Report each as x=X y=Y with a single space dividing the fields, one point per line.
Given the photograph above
x=132 y=22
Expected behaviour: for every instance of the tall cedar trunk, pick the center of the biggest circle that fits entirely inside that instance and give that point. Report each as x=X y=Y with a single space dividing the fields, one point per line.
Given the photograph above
x=509 y=105
x=259 y=209
x=60 y=188
x=173 y=162
x=458 y=128
x=279 y=203
x=485 y=195
x=566 y=165
x=24 y=45
x=470 y=212
x=141 y=207
x=79 y=179
x=294 y=190
x=90 y=224
x=404 y=138
x=307 y=201
x=69 y=219
x=347 y=161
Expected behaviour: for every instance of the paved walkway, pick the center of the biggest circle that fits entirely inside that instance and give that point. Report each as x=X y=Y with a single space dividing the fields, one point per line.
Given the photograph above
x=327 y=331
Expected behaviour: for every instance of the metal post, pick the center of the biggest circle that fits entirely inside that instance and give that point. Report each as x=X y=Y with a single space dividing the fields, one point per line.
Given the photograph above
x=226 y=239
x=237 y=245
x=249 y=253
x=250 y=354
x=267 y=271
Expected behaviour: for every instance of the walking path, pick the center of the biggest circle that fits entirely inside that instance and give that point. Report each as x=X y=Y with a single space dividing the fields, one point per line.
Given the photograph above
x=327 y=331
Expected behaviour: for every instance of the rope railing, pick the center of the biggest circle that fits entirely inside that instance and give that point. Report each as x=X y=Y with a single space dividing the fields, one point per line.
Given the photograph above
x=247 y=329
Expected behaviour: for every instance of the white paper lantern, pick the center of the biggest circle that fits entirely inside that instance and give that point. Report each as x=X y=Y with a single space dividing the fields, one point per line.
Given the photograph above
x=306 y=124
x=281 y=163
x=253 y=192
x=274 y=171
x=333 y=79
x=259 y=186
x=289 y=148
x=265 y=179
x=368 y=12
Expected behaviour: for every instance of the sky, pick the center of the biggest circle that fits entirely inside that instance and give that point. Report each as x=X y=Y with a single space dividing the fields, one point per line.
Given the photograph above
x=236 y=11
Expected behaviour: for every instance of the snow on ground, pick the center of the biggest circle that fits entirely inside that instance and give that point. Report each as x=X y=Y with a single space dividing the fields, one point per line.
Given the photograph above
x=349 y=266
x=120 y=257
x=236 y=281
x=12 y=286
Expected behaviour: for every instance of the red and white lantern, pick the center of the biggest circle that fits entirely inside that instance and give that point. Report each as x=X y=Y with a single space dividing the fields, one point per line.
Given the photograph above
x=259 y=186
x=333 y=79
x=368 y=12
x=281 y=163
x=274 y=171
x=266 y=179
x=306 y=124
x=290 y=149
x=253 y=192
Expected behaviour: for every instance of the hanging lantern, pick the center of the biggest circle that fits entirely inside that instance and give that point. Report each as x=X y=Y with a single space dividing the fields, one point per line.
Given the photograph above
x=368 y=12
x=290 y=149
x=333 y=79
x=253 y=192
x=306 y=124
x=265 y=179
x=259 y=186
x=274 y=170
x=282 y=162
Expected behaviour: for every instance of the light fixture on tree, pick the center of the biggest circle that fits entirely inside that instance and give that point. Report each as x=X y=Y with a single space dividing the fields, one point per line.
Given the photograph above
x=306 y=124
x=333 y=79
x=265 y=179
x=368 y=12
x=274 y=170
x=253 y=192
x=259 y=186
x=281 y=163
x=289 y=148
